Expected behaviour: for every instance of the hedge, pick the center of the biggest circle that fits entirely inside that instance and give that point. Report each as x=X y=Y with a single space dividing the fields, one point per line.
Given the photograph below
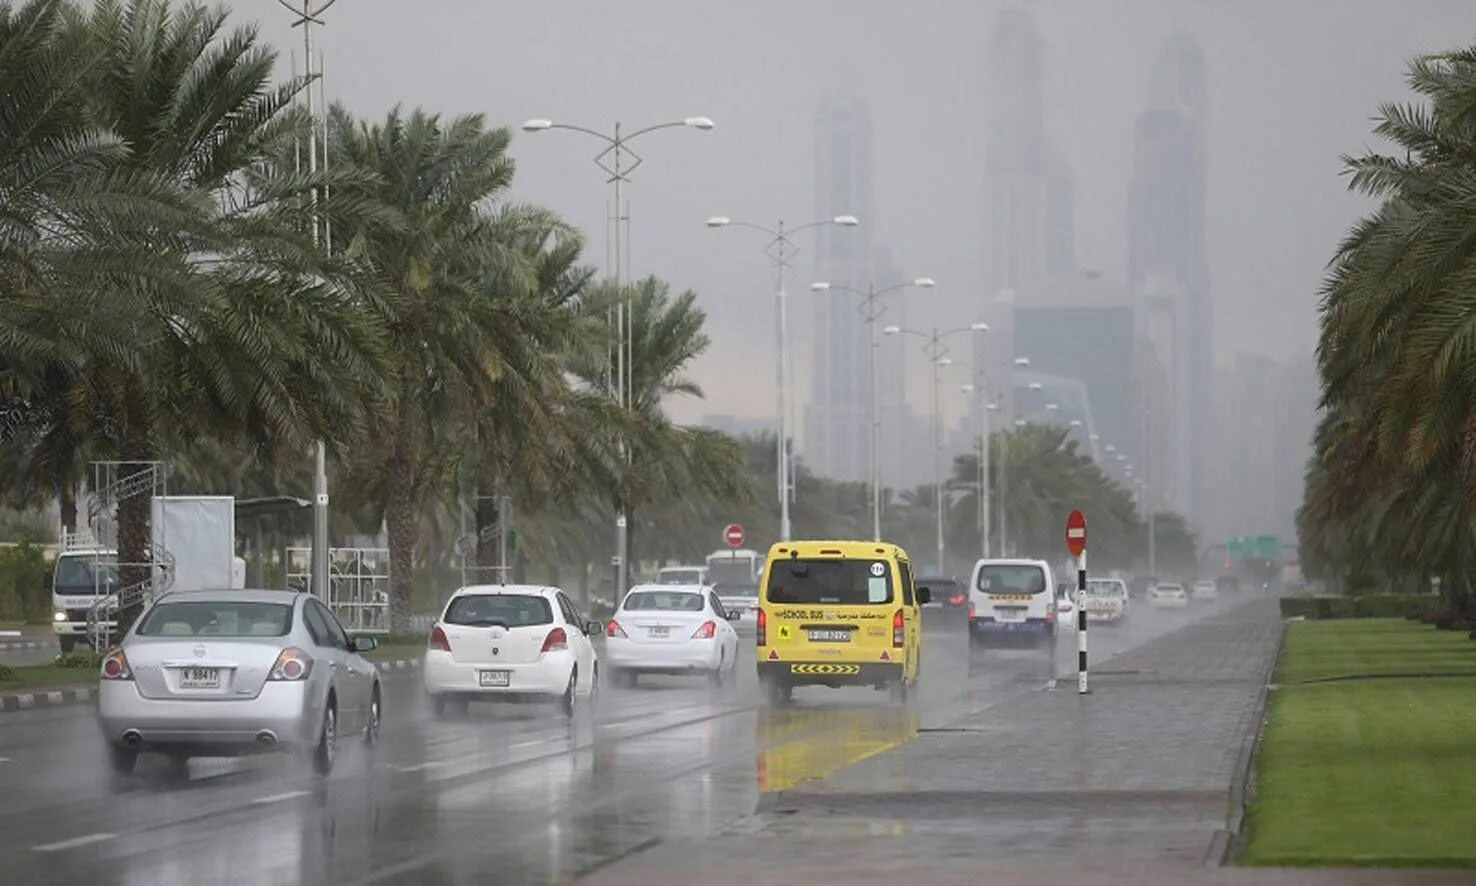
x=1365 y=606
x=25 y=589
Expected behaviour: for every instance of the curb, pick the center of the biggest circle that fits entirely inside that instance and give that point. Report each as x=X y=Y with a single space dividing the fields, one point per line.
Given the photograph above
x=46 y=698
x=7 y=646
x=1242 y=787
x=55 y=698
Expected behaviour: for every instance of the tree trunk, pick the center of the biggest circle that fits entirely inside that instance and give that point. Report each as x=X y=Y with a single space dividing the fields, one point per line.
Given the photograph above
x=400 y=519
x=135 y=542
x=66 y=498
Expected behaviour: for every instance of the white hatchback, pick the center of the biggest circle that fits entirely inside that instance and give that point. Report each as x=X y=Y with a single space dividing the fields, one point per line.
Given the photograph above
x=510 y=643
x=1168 y=594
x=666 y=629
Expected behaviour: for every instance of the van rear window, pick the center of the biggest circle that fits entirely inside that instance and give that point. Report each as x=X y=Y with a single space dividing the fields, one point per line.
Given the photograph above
x=1011 y=579
x=841 y=582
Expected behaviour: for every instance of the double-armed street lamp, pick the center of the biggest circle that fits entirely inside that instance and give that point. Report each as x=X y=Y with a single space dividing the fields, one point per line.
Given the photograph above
x=781 y=250
x=936 y=350
x=617 y=160
x=872 y=309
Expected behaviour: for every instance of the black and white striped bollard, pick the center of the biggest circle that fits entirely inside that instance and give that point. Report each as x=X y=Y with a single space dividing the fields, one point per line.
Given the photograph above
x=1081 y=624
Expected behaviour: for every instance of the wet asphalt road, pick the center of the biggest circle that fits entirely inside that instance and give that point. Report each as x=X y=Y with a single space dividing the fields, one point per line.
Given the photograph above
x=500 y=794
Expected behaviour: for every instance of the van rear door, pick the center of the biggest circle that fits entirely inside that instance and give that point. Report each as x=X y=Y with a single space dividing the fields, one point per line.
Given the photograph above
x=833 y=609
x=1012 y=593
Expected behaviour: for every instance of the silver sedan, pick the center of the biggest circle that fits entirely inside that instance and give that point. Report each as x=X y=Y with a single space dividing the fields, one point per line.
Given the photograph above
x=226 y=673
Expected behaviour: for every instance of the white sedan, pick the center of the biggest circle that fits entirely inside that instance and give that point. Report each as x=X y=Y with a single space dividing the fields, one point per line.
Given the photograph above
x=661 y=629
x=1168 y=595
x=510 y=643
x=1206 y=590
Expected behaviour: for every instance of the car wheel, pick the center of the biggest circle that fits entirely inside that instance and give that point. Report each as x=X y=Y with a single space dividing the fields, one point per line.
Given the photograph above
x=566 y=701
x=594 y=687
x=326 y=752
x=371 y=725
x=898 y=691
x=777 y=692
x=122 y=760
x=718 y=675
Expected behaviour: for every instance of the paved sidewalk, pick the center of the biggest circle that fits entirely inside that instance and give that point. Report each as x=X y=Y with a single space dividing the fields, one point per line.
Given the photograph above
x=1136 y=778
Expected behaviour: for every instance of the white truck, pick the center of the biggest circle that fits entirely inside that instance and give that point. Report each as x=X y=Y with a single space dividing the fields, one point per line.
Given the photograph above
x=194 y=549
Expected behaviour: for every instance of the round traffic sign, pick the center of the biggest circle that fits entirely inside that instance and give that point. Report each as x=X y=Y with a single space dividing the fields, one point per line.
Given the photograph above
x=1076 y=533
x=733 y=535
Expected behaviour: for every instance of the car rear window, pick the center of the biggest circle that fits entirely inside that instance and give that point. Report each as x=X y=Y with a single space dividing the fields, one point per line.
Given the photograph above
x=1011 y=579
x=505 y=610
x=221 y=618
x=842 y=582
x=667 y=601
x=1106 y=588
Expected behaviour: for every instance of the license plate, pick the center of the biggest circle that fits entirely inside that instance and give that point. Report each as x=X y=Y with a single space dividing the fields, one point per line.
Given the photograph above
x=199 y=678
x=829 y=636
x=1010 y=614
x=494 y=679
x=660 y=633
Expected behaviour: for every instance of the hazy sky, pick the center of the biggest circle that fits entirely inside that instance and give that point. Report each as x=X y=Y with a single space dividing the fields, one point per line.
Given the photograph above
x=1291 y=85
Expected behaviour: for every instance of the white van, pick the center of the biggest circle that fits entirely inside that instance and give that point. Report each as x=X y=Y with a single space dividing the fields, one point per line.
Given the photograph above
x=1011 y=604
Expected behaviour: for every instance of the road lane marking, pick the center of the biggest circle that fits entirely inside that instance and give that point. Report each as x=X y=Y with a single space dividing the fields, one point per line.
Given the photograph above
x=277 y=798
x=433 y=764
x=4 y=759
x=72 y=843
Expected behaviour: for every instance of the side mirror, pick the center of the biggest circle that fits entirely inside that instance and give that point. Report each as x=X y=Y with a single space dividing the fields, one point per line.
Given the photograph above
x=591 y=628
x=364 y=643
x=924 y=596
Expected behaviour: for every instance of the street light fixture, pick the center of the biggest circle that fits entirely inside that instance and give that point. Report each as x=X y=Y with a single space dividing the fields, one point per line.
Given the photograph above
x=1022 y=362
x=611 y=161
x=872 y=309
x=781 y=250
x=1076 y=423
x=1052 y=407
x=937 y=355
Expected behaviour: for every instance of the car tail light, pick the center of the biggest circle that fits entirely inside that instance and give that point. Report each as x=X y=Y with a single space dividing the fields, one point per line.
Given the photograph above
x=292 y=665
x=613 y=629
x=115 y=666
x=706 y=632
x=971 y=609
x=899 y=636
x=761 y=631
x=956 y=599
x=555 y=641
x=438 y=640
x=1050 y=615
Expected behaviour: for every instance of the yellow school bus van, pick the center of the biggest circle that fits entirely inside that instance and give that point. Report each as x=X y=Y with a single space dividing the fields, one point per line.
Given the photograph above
x=838 y=613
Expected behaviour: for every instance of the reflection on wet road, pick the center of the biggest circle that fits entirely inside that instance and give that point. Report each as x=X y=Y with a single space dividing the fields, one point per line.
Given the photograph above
x=499 y=794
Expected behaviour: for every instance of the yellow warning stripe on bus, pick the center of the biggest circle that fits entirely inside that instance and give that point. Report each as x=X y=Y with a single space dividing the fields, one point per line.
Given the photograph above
x=824 y=669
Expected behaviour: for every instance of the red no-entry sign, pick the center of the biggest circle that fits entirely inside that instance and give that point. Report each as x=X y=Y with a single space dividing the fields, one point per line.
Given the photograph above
x=1076 y=533
x=733 y=535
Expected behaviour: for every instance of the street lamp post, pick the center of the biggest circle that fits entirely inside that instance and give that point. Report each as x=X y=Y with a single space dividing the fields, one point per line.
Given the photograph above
x=871 y=310
x=1019 y=363
x=781 y=250
x=612 y=161
x=982 y=408
x=936 y=352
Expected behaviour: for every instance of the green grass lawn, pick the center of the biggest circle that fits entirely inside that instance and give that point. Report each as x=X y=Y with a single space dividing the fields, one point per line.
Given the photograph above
x=1368 y=772
x=397 y=651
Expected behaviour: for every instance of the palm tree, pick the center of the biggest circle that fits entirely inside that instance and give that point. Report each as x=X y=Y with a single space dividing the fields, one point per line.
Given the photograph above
x=655 y=457
x=477 y=300
x=1394 y=473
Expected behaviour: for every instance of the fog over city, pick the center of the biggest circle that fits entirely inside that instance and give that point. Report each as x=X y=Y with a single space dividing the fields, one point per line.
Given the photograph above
x=1280 y=104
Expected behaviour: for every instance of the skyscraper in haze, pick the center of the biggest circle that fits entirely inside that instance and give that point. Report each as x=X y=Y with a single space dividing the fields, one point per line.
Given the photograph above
x=1029 y=213
x=1166 y=251
x=838 y=417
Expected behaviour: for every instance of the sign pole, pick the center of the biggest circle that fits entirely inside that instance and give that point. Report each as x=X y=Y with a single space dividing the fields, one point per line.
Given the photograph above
x=1081 y=624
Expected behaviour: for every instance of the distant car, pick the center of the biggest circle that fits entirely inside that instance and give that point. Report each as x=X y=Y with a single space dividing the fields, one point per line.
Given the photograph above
x=1227 y=583
x=946 y=593
x=741 y=604
x=670 y=629
x=682 y=575
x=1066 y=606
x=1141 y=585
x=1205 y=590
x=1168 y=595
x=510 y=643
x=1106 y=601
x=227 y=673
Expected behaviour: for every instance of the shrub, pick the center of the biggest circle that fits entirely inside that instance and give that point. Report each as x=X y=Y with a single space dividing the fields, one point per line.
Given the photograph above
x=1365 y=606
x=81 y=659
x=6 y=674
x=25 y=593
